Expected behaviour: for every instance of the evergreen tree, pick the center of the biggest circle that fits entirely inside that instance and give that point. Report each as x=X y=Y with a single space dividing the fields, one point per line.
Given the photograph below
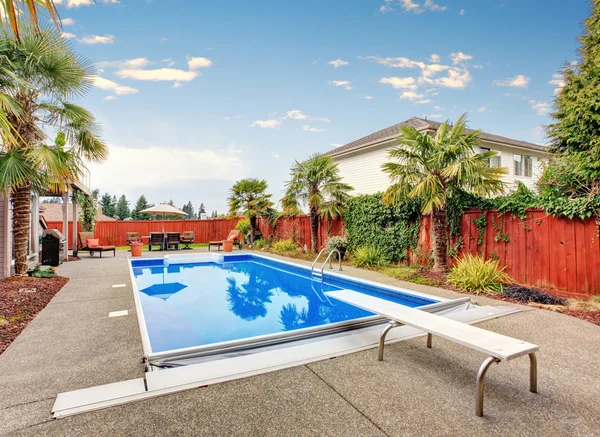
x=189 y=209
x=140 y=205
x=571 y=183
x=201 y=210
x=122 y=209
x=108 y=204
x=96 y=195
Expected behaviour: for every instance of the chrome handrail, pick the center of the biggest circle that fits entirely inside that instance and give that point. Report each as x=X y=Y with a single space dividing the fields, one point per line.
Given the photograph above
x=330 y=262
x=312 y=267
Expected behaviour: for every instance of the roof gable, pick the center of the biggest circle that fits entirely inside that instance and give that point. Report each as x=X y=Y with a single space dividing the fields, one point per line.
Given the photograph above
x=421 y=124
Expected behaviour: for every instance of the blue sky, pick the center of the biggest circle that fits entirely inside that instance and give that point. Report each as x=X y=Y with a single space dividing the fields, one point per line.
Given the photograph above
x=193 y=95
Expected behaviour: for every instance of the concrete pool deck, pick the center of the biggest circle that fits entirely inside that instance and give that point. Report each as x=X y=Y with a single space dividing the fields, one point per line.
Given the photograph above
x=74 y=344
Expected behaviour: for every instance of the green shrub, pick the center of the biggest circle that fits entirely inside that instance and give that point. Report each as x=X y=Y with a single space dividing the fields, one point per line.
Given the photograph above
x=260 y=244
x=476 y=275
x=284 y=246
x=369 y=257
x=370 y=223
x=243 y=226
x=338 y=243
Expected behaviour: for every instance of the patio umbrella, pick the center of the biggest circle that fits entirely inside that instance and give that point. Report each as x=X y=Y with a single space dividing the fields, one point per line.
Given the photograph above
x=164 y=209
x=163 y=291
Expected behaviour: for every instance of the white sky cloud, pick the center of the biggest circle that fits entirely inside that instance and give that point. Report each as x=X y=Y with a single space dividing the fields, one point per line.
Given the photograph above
x=368 y=97
x=275 y=155
x=338 y=63
x=400 y=82
x=429 y=4
x=433 y=116
x=67 y=21
x=233 y=117
x=558 y=81
x=519 y=81
x=334 y=145
x=423 y=101
x=110 y=98
x=412 y=6
x=97 y=39
x=438 y=108
x=117 y=175
x=462 y=12
x=68 y=35
x=198 y=63
x=459 y=57
x=343 y=83
x=435 y=59
x=482 y=109
x=411 y=95
x=307 y=128
x=109 y=85
x=296 y=114
x=159 y=74
x=266 y=124
x=127 y=63
x=541 y=108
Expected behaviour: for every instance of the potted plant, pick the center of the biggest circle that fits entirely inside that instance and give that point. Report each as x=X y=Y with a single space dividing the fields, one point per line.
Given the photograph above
x=338 y=243
x=136 y=248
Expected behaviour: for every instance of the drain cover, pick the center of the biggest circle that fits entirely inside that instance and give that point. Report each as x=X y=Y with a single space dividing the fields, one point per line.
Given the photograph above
x=27 y=290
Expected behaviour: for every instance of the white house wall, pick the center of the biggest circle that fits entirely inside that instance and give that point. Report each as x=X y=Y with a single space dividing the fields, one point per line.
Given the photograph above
x=362 y=169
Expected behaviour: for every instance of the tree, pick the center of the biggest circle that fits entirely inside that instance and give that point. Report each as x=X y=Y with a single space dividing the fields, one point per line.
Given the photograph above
x=249 y=197
x=570 y=185
x=96 y=195
x=140 y=205
x=88 y=210
x=108 y=205
x=123 y=208
x=316 y=183
x=189 y=209
x=434 y=168
x=201 y=210
x=16 y=12
x=38 y=73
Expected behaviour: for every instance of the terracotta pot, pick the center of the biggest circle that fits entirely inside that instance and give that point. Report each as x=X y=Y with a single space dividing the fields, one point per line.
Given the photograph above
x=227 y=246
x=136 y=249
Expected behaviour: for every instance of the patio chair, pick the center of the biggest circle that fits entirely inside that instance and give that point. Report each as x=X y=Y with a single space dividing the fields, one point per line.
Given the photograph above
x=132 y=237
x=87 y=243
x=234 y=235
x=157 y=239
x=173 y=240
x=187 y=238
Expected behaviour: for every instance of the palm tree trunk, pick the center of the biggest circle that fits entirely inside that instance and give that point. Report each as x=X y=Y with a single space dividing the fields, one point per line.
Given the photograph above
x=314 y=229
x=21 y=199
x=253 y=226
x=440 y=240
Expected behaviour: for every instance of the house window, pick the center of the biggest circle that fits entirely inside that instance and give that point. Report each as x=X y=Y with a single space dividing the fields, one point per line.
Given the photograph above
x=493 y=162
x=523 y=165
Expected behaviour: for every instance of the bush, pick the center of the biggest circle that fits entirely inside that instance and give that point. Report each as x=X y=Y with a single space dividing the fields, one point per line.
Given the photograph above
x=338 y=243
x=369 y=257
x=476 y=275
x=525 y=294
x=243 y=226
x=260 y=244
x=284 y=246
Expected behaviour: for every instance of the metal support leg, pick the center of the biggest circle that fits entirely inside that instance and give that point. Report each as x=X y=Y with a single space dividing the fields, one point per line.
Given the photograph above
x=382 y=338
x=532 y=373
x=429 y=338
x=480 y=382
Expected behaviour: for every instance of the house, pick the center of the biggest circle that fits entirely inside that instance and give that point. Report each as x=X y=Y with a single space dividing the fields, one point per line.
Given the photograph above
x=359 y=162
x=53 y=212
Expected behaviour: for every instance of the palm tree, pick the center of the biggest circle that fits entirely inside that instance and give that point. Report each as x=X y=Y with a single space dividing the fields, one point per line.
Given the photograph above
x=249 y=197
x=433 y=167
x=39 y=73
x=316 y=183
x=15 y=12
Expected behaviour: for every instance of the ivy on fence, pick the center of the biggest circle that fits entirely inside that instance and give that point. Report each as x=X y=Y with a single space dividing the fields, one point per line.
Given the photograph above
x=393 y=229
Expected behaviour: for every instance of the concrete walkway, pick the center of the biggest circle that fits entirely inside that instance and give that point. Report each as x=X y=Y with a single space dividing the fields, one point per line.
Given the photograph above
x=73 y=344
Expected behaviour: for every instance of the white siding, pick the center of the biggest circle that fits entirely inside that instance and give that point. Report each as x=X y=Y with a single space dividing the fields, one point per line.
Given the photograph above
x=362 y=170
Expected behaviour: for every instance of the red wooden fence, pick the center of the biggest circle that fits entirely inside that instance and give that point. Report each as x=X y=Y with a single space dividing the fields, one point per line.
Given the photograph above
x=557 y=254
x=543 y=251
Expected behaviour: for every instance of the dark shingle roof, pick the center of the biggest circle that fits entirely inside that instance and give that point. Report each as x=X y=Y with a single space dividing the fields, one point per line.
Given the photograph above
x=421 y=124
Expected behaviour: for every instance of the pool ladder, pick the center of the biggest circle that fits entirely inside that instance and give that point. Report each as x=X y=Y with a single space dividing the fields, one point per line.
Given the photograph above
x=315 y=274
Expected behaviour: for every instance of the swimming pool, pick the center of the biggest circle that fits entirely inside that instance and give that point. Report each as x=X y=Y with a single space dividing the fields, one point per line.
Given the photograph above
x=189 y=305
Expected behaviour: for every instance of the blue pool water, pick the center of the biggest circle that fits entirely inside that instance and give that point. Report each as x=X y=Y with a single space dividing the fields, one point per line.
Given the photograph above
x=199 y=304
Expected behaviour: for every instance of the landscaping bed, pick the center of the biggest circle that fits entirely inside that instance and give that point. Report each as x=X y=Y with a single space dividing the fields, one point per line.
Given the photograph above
x=21 y=299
